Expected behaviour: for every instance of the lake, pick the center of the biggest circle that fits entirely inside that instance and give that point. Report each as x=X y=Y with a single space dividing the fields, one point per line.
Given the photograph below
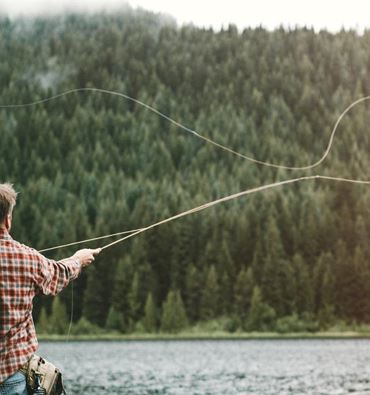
x=213 y=367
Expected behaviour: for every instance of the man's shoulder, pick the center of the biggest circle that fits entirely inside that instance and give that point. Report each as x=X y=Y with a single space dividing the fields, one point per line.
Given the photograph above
x=19 y=247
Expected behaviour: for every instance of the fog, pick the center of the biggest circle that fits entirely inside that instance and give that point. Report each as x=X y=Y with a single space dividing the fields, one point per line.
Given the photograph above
x=332 y=15
x=14 y=8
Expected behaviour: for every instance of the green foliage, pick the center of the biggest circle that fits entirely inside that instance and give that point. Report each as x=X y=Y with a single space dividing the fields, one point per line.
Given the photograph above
x=193 y=292
x=210 y=296
x=261 y=316
x=43 y=323
x=220 y=324
x=326 y=317
x=133 y=298
x=150 y=317
x=85 y=327
x=90 y=164
x=173 y=313
x=304 y=298
x=293 y=323
x=94 y=297
x=120 y=292
x=58 y=321
x=114 y=320
x=231 y=325
x=243 y=293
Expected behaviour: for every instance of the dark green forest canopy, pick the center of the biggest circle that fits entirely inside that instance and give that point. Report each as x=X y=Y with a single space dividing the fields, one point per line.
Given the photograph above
x=89 y=164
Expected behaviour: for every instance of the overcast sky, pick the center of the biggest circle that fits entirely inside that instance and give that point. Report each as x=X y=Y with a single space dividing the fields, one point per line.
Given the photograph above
x=329 y=14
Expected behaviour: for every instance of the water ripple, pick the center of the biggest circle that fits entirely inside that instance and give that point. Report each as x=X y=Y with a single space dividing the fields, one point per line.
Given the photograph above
x=270 y=367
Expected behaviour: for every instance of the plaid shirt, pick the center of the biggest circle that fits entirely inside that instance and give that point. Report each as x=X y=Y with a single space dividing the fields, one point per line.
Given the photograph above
x=24 y=273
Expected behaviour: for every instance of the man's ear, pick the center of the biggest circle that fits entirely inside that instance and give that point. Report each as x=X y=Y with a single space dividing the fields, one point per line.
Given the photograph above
x=8 y=221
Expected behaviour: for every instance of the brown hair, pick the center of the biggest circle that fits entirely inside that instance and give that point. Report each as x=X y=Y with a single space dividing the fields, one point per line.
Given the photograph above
x=8 y=197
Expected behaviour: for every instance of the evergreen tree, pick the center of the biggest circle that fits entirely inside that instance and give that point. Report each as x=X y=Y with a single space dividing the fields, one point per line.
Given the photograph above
x=261 y=316
x=173 y=313
x=304 y=298
x=193 y=292
x=93 y=298
x=210 y=297
x=134 y=300
x=43 y=324
x=150 y=317
x=121 y=290
x=243 y=293
x=58 y=321
x=91 y=164
x=114 y=320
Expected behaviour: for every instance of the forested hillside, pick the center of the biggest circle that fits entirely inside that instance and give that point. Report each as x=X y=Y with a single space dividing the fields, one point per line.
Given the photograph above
x=89 y=164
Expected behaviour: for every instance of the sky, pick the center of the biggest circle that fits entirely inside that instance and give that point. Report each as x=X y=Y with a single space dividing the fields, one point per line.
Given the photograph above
x=319 y=14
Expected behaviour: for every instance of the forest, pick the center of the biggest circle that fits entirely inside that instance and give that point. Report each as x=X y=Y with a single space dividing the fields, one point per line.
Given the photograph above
x=89 y=164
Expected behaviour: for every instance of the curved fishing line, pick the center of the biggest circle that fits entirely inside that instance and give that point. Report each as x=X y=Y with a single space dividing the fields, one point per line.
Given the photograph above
x=134 y=232
x=234 y=196
x=87 y=240
x=204 y=138
x=230 y=197
x=203 y=207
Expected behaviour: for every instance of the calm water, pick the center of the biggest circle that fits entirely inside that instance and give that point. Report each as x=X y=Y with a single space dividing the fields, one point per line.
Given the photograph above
x=213 y=367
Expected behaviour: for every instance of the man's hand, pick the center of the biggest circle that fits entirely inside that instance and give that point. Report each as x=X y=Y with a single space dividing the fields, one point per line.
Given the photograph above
x=86 y=255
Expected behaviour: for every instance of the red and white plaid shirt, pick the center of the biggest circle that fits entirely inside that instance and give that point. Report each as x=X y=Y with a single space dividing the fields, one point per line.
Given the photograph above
x=24 y=273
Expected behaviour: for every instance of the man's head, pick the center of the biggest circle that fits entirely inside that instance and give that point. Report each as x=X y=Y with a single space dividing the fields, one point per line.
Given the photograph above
x=8 y=197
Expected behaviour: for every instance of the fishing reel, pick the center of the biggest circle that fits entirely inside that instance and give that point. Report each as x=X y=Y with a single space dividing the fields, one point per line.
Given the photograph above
x=38 y=390
x=43 y=378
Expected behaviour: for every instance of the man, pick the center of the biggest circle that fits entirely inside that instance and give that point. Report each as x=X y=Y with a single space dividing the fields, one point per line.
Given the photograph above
x=23 y=273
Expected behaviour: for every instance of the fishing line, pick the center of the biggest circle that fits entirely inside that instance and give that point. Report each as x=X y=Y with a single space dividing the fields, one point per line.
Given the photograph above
x=87 y=240
x=135 y=232
x=193 y=132
x=132 y=233
x=235 y=196
x=208 y=205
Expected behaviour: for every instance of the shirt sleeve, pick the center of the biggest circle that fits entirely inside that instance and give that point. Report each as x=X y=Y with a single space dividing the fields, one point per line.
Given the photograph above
x=52 y=276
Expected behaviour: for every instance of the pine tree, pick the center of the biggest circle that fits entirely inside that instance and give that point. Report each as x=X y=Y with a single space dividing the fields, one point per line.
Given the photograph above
x=345 y=281
x=58 y=319
x=150 y=317
x=210 y=296
x=261 y=316
x=94 y=301
x=134 y=299
x=43 y=322
x=121 y=290
x=304 y=298
x=114 y=320
x=193 y=292
x=72 y=189
x=362 y=236
x=173 y=313
x=225 y=295
x=277 y=285
x=227 y=269
x=243 y=293
x=360 y=293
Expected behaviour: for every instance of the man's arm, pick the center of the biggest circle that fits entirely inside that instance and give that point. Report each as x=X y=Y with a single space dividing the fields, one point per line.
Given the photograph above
x=52 y=276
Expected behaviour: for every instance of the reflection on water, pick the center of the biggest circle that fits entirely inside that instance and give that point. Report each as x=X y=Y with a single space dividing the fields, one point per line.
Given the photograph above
x=213 y=367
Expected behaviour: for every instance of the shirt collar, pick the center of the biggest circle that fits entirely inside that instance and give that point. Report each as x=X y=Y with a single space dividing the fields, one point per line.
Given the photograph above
x=4 y=234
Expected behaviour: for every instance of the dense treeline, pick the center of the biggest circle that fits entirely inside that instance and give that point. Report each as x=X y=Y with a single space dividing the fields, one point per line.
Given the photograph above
x=89 y=164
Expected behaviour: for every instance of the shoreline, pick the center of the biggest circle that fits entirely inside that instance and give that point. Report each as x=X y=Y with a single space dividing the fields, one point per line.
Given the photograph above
x=209 y=336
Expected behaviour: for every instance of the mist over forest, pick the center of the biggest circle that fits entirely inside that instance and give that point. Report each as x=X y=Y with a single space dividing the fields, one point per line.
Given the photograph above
x=90 y=164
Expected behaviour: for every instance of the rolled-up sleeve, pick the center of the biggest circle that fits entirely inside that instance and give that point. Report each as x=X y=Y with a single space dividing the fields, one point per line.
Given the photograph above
x=52 y=276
